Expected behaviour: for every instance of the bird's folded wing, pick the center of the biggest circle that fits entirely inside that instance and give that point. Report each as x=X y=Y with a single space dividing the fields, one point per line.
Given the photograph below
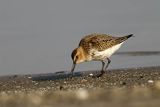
x=99 y=42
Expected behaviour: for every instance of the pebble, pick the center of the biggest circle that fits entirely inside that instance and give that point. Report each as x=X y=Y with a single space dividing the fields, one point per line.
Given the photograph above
x=123 y=83
x=83 y=80
x=29 y=77
x=61 y=87
x=150 y=81
x=36 y=83
x=18 y=86
x=90 y=74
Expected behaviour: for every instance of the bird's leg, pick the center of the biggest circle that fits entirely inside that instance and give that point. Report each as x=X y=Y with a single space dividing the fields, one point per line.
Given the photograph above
x=103 y=64
x=109 y=61
x=102 y=70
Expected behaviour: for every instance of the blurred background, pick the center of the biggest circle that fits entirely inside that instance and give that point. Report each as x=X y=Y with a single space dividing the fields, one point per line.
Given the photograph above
x=38 y=36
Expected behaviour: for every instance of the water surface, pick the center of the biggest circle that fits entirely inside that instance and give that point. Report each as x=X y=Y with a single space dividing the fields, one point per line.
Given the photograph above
x=38 y=36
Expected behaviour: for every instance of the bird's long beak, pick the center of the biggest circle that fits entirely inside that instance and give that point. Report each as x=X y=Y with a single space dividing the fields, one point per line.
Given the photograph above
x=73 y=66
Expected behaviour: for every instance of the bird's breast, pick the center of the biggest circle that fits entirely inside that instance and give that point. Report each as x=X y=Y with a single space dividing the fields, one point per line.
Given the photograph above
x=102 y=55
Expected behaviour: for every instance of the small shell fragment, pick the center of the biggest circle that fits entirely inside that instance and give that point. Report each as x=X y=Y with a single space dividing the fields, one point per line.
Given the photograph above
x=150 y=81
x=90 y=74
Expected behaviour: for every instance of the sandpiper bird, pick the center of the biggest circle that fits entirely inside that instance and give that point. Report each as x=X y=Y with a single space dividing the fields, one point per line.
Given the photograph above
x=97 y=47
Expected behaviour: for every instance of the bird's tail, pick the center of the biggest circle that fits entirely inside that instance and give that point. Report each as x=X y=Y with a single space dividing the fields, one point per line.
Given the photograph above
x=122 y=39
x=128 y=36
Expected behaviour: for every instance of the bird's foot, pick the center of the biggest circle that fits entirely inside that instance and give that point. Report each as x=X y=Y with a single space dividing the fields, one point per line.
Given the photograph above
x=97 y=76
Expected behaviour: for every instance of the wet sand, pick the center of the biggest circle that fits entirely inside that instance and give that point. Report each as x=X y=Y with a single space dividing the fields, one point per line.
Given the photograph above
x=122 y=87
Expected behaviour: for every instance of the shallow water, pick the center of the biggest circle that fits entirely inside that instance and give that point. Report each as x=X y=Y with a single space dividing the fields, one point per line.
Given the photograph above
x=136 y=59
x=38 y=36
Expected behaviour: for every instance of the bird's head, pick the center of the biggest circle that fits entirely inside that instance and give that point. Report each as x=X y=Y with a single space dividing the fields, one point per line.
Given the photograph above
x=78 y=56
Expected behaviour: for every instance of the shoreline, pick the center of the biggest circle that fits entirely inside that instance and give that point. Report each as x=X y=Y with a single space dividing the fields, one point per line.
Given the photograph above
x=114 y=76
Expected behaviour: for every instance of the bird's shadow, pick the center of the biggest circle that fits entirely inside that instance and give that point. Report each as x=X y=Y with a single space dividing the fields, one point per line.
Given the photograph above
x=55 y=76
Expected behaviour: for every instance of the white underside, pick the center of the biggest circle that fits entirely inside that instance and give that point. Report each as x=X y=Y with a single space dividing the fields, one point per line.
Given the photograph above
x=106 y=53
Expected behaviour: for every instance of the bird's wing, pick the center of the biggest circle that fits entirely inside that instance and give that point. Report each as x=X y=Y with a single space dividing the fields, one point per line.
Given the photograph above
x=99 y=42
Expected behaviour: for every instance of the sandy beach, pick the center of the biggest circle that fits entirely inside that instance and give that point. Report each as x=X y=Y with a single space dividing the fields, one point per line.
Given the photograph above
x=122 y=87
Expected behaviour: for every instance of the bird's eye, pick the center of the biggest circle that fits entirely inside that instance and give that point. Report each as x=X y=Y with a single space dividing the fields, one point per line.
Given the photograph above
x=76 y=57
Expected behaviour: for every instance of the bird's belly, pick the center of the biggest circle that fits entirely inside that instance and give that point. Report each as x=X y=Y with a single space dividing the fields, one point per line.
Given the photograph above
x=101 y=55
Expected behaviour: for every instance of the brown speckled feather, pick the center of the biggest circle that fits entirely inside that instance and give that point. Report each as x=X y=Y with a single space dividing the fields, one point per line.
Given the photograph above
x=100 y=42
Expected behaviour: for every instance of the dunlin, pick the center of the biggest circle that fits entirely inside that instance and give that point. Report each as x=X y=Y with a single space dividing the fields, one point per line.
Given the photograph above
x=97 y=47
